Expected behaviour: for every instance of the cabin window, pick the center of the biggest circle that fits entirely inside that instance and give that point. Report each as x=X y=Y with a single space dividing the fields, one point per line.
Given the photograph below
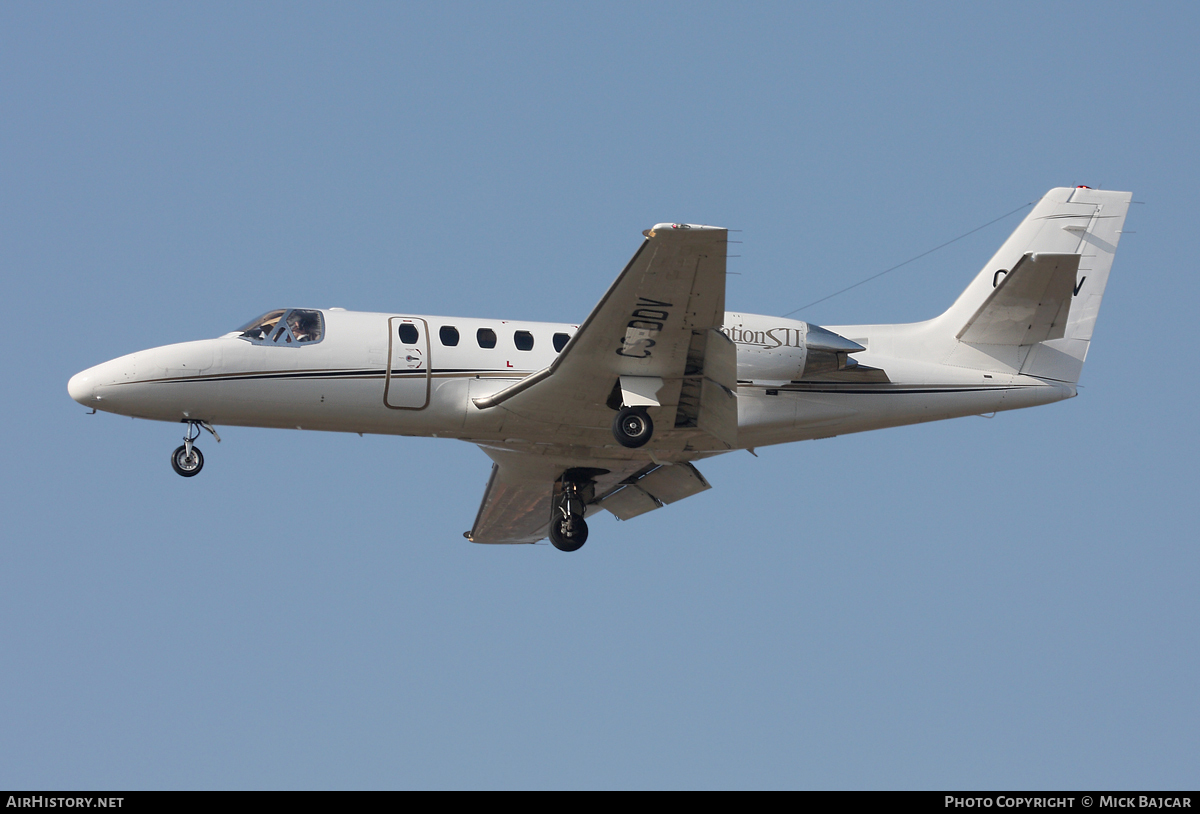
x=523 y=340
x=284 y=328
x=449 y=335
x=409 y=333
x=560 y=342
x=486 y=337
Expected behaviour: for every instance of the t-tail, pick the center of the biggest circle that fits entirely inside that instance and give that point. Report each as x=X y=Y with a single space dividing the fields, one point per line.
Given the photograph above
x=1033 y=307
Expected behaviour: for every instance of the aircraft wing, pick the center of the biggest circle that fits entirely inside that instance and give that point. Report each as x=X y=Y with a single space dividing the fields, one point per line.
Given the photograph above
x=516 y=503
x=652 y=340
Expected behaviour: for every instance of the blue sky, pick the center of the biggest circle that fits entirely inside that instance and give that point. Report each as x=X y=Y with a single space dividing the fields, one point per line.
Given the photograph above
x=969 y=604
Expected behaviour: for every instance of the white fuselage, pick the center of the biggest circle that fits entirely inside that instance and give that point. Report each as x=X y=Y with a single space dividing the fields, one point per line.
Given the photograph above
x=610 y=413
x=361 y=377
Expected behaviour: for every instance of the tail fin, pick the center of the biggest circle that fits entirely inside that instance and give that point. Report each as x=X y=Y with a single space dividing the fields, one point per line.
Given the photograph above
x=1042 y=290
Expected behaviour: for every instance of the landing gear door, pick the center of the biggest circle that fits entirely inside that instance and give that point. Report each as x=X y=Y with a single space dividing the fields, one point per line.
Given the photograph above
x=406 y=383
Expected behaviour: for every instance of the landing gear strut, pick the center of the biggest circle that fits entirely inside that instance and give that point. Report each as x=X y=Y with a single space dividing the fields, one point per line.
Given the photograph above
x=632 y=427
x=568 y=529
x=188 y=460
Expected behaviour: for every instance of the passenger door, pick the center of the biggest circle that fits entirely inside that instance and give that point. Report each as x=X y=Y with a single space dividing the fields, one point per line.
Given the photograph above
x=406 y=382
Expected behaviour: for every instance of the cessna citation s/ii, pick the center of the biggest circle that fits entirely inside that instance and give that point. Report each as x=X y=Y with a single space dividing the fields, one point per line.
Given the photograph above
x=610 y=414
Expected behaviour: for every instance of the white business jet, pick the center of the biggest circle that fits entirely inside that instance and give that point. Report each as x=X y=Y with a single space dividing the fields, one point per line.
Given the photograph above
x=610 y=414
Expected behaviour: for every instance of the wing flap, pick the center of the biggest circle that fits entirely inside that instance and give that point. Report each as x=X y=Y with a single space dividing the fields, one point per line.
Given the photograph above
x=629 y=502
x=668 y=484
x=664 y=485
x=708 y=396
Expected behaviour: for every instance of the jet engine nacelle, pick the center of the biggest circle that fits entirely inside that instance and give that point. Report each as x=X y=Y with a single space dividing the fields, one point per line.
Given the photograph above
x=786 y=350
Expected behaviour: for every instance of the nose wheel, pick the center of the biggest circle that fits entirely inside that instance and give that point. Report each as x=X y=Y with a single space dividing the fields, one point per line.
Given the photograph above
x=188 y=460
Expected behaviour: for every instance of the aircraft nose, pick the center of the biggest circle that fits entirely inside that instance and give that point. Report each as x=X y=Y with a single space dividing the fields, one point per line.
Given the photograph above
x=82 y=387
x=91 y=386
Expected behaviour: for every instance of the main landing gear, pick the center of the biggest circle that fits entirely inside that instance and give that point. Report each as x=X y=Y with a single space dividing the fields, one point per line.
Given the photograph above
x=632 y=427
x=568 y=529
x=188 y=460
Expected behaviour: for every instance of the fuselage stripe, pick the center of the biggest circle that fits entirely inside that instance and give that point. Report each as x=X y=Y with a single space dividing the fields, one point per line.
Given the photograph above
x=864 y=388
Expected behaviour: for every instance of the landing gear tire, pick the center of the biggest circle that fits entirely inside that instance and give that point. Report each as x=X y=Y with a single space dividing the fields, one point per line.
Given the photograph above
x=569 y=533
x=632 y=427
x=187 y=464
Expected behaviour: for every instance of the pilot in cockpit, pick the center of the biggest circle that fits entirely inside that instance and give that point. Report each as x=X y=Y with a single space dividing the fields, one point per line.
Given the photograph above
x=305 y=325
x=300 y=326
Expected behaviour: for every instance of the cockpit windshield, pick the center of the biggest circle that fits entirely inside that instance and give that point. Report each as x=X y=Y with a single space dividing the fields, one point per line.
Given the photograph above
x=298 y=326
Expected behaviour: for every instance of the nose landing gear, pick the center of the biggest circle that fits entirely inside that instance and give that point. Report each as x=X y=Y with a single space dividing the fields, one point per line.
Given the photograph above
x=188 y=460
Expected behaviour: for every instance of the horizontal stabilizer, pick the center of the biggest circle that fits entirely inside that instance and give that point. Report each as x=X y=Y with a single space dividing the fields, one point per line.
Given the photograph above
x=1030 y=303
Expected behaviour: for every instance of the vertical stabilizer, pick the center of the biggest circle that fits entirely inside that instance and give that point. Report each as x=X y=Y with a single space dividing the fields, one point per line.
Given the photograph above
x=1079 y=221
